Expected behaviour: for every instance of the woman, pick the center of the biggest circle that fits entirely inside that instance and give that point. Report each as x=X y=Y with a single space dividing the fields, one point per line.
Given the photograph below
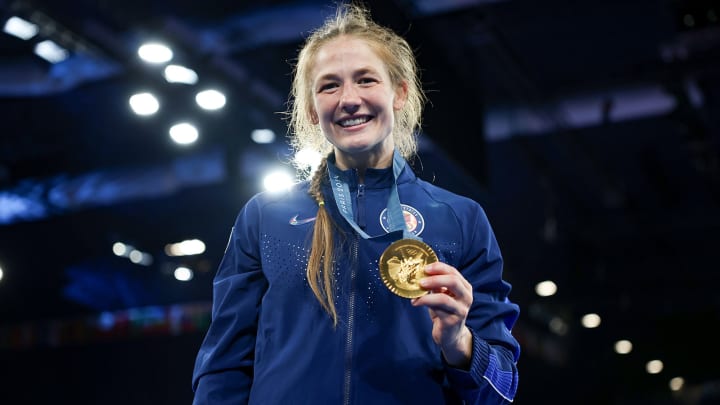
x=301 y=311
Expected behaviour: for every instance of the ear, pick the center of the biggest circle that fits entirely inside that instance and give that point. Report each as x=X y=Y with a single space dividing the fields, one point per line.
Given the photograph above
x=401 y=93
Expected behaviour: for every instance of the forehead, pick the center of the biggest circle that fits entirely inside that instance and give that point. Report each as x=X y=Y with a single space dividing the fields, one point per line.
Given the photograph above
x=346 y=54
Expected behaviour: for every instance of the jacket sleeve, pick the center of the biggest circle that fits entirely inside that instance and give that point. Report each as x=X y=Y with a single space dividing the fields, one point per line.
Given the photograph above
x=224 y=365
x=493 y=375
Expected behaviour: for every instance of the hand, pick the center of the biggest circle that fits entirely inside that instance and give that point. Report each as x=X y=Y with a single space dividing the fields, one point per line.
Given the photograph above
x=448 y=304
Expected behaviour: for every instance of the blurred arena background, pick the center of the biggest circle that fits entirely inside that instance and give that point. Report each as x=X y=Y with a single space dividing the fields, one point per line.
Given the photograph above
x=589 y=131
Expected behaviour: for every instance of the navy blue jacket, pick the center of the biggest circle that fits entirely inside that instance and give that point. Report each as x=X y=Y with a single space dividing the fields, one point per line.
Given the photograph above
x=270 y=342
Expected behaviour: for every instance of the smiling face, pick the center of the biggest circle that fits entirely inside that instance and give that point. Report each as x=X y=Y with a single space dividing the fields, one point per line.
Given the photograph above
x=354 y=102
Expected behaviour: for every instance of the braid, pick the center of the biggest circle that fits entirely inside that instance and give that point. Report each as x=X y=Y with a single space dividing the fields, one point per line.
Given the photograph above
x=316 y=181
x=320 y=263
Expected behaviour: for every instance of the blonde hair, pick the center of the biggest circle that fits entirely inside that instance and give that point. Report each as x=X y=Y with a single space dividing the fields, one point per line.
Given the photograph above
x=350 y=20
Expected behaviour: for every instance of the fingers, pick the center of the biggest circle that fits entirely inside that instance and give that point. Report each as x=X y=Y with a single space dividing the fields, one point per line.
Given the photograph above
x=447 y=284
x=442 y=305
x=451 y=292
x=445 y=279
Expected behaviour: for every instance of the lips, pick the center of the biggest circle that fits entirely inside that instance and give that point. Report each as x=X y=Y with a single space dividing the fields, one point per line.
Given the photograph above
x=354 y=121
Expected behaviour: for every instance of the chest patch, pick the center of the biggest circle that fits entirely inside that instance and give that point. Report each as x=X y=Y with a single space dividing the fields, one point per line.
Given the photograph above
x=414 y=221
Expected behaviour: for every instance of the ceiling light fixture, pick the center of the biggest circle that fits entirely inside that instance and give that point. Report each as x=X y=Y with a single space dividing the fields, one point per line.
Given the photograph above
x=210 y=99
x=20 y=28
x=144 y=104
x=184 y=133
x=155 y=53
x=180 y=74
x=50 y=51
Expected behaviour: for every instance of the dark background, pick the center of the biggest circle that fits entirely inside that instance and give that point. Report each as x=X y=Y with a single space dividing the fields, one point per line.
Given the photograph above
x=588 y=131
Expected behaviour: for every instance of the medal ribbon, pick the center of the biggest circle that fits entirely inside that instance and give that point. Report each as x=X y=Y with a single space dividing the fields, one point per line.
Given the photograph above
x=341 y=192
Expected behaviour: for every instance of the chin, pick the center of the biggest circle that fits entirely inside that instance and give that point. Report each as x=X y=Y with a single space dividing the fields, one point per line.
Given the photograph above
x=356 y=148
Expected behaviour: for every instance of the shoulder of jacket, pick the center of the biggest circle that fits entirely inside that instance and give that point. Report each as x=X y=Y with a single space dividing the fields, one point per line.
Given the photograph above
x=298 y=191
x=444 y=196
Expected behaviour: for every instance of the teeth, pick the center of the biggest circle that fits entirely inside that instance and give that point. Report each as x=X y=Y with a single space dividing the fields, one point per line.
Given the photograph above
x=354 y=121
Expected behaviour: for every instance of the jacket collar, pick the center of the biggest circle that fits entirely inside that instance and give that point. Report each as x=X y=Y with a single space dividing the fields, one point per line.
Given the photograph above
x=374 y=178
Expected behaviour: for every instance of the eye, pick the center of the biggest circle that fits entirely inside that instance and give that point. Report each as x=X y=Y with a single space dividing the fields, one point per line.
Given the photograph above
x=327 y=87
x=367 y=80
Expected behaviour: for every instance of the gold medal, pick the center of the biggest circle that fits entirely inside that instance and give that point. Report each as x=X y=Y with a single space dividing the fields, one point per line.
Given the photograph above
x=402 y=265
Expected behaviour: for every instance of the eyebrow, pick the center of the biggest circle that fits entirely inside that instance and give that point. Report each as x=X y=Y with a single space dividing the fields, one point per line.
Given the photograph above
x=359 y=72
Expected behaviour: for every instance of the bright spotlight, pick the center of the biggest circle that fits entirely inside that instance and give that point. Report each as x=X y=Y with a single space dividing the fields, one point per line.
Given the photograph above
x=308 y=158
x=144 y=104
x=180 y=74
x=120 y=249
x=154 y=52
x=20 y=28
x=546 y=288
x=278 y=180
x=210 y=99
x=654 y=366
x=184 y=133
x=50 y=51
x=262 y=135
x=623 y=346
x=676 y=383
x=136 y=256
x=591 y=321
x=139 y=257
x=185 y=248
x=183 y=274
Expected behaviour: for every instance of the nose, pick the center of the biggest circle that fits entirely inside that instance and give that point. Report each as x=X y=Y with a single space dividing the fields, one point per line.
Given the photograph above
x=350 y=99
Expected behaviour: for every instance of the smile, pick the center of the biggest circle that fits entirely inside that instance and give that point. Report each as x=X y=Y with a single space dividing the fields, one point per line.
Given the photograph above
x=351 y=122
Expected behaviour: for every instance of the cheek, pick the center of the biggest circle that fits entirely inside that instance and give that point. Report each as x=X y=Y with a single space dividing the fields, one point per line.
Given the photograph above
x=321 y=106
x=388 y=100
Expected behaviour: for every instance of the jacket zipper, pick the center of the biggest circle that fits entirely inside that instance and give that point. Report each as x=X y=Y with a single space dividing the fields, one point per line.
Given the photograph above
x=361 y=206
x=350 y=325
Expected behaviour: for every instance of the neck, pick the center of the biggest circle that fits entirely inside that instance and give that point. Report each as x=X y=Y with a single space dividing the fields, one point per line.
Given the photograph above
x=362 y=162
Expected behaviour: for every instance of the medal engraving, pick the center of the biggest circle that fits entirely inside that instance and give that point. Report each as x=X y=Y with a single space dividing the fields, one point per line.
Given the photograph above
x=402 y=266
